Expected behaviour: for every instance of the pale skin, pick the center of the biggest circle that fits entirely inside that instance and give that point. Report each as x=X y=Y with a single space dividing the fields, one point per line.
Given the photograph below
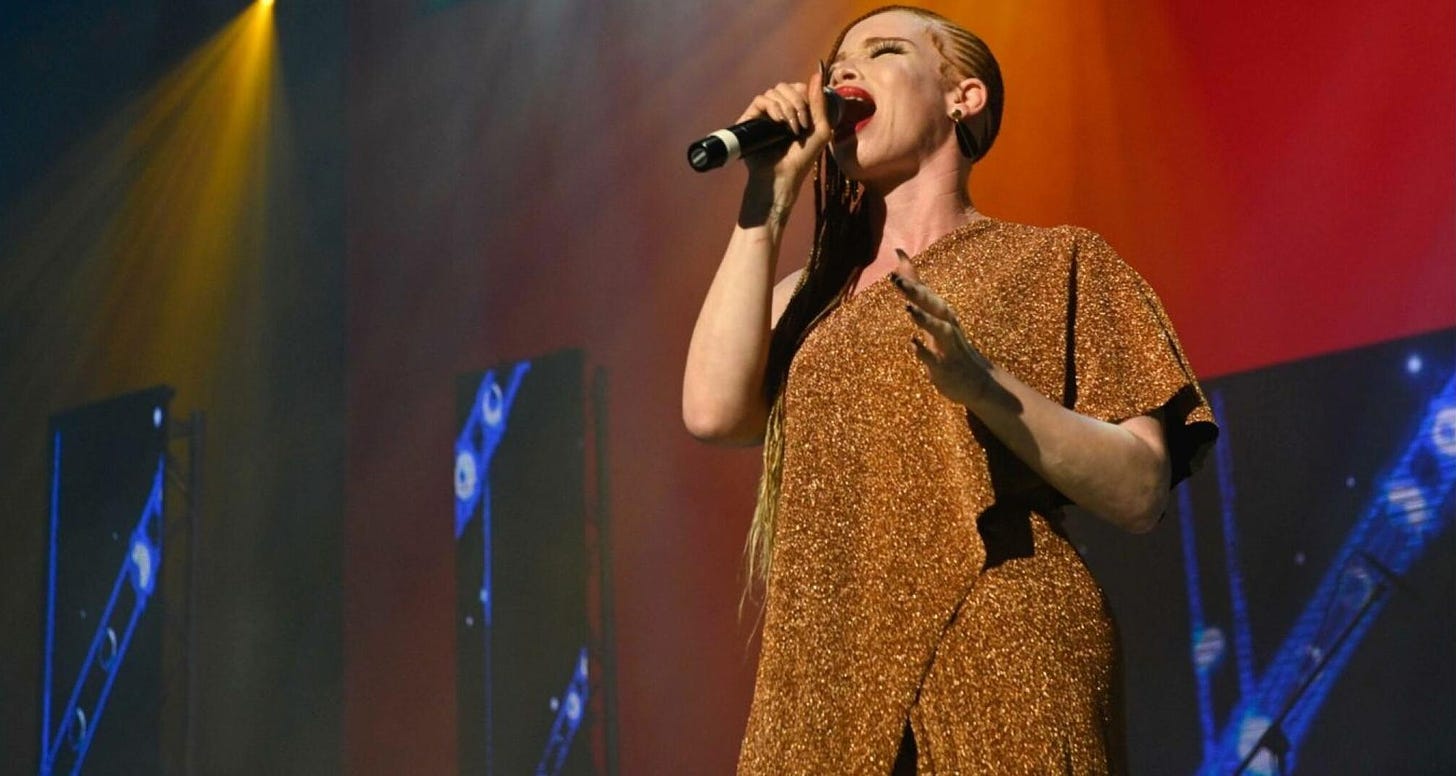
x=907 y=157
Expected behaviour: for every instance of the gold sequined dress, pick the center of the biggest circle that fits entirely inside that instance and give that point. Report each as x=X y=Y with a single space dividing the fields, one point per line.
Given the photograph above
x=920 y=573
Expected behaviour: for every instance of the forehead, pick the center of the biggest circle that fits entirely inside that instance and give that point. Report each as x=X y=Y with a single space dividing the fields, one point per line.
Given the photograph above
x=891 y=24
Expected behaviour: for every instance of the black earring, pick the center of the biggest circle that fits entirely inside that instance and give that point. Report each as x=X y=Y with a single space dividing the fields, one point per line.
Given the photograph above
x=963 y=135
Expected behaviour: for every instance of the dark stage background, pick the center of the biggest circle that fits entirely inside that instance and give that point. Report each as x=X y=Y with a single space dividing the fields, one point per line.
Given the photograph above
x=311 y=218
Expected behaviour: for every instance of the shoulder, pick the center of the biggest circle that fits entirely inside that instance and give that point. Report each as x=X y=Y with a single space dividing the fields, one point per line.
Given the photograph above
x=782 y=292
x=1033 y=240
x=1077 y=241
x=1093 y=257
x=1074 y=254
x=788 y=283
x=1048 y=252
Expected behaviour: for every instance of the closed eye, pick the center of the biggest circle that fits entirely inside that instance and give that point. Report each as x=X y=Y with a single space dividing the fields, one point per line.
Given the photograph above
x=887 y=47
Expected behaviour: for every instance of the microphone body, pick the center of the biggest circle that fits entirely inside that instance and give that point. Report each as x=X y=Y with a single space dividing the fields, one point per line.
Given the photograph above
x=750 y=137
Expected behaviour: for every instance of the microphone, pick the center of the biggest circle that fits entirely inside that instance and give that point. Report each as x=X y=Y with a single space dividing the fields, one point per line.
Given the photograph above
x=751 y=136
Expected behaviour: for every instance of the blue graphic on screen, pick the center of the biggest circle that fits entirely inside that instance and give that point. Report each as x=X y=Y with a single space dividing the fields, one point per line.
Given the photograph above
x=521 y=589
x=1273 y=712
x=569 y=711
x=474 y=448
x=66 y=739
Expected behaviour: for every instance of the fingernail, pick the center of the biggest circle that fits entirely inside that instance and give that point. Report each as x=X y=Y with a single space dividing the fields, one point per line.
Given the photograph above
x=895 y=278
x=902 y=254
x=910 y=308
x=823 y=73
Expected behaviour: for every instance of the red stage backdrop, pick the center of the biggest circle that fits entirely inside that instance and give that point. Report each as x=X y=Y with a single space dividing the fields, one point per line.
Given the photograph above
x=1282 y=175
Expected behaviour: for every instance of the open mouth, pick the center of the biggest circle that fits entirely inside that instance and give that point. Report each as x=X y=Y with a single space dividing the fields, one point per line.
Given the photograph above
x=859 y=106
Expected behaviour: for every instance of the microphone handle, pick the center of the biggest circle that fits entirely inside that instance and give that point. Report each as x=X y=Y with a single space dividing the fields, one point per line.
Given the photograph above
x=749 y=137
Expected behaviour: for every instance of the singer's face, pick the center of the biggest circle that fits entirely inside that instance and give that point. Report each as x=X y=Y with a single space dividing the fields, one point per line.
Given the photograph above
x=890 y=64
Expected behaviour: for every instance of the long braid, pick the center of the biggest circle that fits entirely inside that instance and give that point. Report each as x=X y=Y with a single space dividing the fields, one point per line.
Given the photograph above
x=841 y=249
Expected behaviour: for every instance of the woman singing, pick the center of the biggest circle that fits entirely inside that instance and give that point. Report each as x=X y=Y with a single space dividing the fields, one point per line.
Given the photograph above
x=931 y=390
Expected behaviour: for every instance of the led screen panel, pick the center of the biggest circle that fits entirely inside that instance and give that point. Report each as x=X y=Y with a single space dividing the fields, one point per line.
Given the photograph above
x=1295 y=606
x=522 y=568
x=101 y=672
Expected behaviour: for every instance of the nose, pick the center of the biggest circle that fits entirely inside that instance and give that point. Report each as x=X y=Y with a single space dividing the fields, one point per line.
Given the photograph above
x=841 y=72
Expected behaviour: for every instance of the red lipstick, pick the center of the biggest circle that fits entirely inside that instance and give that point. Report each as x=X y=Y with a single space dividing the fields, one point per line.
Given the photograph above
x=859 y=106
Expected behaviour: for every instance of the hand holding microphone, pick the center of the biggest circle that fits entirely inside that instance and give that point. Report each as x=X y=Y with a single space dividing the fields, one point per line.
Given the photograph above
x=780 y=115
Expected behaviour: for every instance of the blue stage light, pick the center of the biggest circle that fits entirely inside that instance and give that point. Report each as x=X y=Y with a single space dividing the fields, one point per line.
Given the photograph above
x=1208 y=649
x=465 y=476
x=1443 y=432
x=143 y=563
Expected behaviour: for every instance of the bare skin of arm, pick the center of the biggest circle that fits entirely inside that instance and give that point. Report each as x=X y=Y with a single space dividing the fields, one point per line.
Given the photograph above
x=723 y=380
x=723 y=383
x=1118 y=471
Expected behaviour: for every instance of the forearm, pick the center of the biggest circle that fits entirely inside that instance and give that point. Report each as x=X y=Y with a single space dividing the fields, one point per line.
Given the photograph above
x=1118 y=475
x=723 y=379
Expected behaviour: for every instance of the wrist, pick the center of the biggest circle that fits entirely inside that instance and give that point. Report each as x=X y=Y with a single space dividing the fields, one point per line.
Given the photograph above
x=766 y=203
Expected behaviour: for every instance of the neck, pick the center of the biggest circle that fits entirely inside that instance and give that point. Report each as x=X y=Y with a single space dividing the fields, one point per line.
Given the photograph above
x=916 y=212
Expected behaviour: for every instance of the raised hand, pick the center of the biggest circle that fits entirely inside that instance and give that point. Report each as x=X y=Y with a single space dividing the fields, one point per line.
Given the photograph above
x=800 y=106
x=957 y=369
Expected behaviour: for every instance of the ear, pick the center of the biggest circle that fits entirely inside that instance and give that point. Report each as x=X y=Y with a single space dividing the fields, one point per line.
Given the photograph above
x=969 y=95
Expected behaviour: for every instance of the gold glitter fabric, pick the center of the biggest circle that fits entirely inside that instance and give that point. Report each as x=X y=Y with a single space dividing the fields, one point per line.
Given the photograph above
x=920 y=572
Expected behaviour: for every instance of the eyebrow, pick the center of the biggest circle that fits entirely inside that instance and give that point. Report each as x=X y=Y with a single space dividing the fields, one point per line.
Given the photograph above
x=871 y=43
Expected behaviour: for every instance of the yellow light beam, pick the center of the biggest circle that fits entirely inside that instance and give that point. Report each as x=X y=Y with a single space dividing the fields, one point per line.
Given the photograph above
x=131 y=258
